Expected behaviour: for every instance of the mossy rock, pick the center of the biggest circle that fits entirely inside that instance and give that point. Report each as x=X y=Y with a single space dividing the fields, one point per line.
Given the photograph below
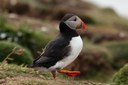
x=121 y=77
x=16 y=53
x=119 y=51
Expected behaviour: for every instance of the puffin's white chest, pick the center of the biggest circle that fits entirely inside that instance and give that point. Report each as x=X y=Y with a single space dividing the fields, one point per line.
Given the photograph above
x=76 y=46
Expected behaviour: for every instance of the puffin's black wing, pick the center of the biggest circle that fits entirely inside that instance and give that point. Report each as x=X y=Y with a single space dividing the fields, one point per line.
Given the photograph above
x=53 y=52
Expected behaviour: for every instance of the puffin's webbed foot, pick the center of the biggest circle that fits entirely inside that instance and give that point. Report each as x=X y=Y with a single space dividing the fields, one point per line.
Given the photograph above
x=69 y=73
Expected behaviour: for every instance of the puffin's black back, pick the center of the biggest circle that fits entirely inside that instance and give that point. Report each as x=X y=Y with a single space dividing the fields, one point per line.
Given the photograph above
x=55 y=50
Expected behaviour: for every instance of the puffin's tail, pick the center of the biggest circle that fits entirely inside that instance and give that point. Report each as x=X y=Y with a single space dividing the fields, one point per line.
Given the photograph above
x=31 y=66
x=35 y=63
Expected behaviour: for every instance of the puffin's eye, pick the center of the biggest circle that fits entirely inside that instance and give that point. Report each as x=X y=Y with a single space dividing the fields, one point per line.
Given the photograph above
x=75 y=19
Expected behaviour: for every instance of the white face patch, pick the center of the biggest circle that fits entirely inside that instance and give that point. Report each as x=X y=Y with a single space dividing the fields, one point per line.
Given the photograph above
x=73 y=22
x=76 y=46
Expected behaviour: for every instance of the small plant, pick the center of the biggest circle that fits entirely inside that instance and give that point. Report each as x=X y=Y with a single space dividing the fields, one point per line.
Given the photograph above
x=14 y=53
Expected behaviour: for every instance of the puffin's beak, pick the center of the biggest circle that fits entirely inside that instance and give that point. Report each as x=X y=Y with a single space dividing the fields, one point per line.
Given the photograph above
x=83 y=25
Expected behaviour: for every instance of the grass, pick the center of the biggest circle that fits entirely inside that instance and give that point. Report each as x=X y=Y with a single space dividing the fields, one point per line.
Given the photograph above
x=11 y=74
x=11 y=70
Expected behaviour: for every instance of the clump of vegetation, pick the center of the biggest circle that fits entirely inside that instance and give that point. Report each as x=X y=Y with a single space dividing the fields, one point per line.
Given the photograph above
x=121 y=77
x=119 y=53
x=97 y=63
x=14 y=53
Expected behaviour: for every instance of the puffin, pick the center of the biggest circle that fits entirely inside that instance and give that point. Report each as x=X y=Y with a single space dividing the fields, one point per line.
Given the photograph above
x=65 y=48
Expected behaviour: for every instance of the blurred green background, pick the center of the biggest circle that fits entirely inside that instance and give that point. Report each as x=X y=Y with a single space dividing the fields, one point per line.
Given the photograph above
x=30 y=24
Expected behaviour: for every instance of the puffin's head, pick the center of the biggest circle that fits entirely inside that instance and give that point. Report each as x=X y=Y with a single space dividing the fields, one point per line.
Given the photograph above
x=73 y=21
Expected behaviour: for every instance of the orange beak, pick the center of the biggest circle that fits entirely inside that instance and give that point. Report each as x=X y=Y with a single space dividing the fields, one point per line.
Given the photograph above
x=69 y=73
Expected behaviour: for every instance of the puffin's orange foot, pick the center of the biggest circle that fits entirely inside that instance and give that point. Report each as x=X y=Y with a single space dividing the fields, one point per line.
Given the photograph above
x=62 y=71
x=69 y=73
